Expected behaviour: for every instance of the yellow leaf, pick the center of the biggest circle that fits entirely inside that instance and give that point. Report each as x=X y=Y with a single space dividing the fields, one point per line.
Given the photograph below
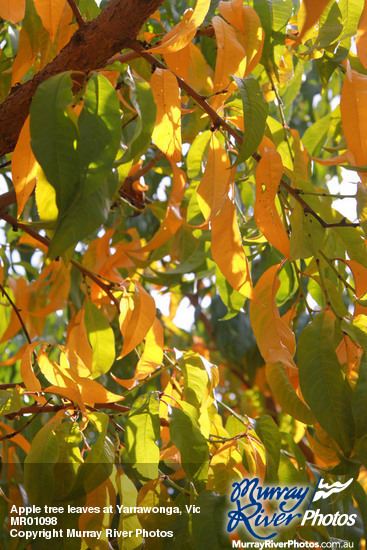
x=24 y=58
x=151 y=358
x=167 y=130
x=361 y=39
x=231 y=59
x=353 y=108
x=247 y=22
x=227 y=250
x=136 y=323
x=104 y=496
x=12 y=10
x=268 y=175
x=66 y=27
x=275 y=339
x=77 y=344
x=50 y=12
x=26 y=371
x=23 y=167
x=172 y=220
x=309 y=14
x=178 y=37
x=214 y=186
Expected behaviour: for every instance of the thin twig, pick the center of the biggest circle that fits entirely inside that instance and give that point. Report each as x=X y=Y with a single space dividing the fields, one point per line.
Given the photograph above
x=13 y=434
x=15 y=223
x=17 y=313
x=218 y=121
x=77 y=14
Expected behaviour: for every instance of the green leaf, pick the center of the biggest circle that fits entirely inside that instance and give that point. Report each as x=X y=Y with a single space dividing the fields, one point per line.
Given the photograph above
x=264 y=11
x=282 y=12
x=255 y=112
x=9 y=401
x=39 y=479
x=307 y=234
x=232 y=299
x=285 y=394
x=354 y=242
x=54 y=137
x=208 y=527
x=69 y=438
x=142 y=432
x=315 y=135
x=195 y=377
x=101 y=339
x=143 y=101
x=195 y=155
x=322 y=383
x=86 y=214
x=128 y=522
x=268 y=432
x=356 y=328
x=97 y=467
x=359 y=399
x=192 y=445
x=99 y=126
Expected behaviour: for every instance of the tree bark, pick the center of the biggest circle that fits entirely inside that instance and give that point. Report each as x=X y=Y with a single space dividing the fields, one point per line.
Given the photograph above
x=89 y=48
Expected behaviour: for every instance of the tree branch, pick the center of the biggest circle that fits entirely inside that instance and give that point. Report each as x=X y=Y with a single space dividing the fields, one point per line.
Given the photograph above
x=89 y=48
x=77 y=14
x=95 y=278
x=17 y=313
x=218 y=121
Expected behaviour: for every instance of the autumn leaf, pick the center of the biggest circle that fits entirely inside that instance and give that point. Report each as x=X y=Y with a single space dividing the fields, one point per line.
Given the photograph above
x=268 y=175
x=310 y=12
x=227 y=250
x=24 y=167
x=167 y=131
x=50 y=12
x=216 y=181
x=354 y=114
x=178 y=37
x=12 y=10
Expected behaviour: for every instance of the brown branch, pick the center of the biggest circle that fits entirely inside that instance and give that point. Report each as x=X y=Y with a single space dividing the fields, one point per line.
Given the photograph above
x=17 y=313
x=218 y=121
x=104 y=286
x=89 y=48
x=13 y=434
x=77 y=14
x=8 y=198
x=47 y=408
x=11 y=385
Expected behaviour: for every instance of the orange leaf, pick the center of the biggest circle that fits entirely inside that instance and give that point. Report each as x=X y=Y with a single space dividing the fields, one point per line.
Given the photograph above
x=151 y=358
x=50 y=12
x=12 y=10
x=24 y=58
x=268 y=175
x=24 y=167
x=274 y=337
x=77 y=343
x=19 y=439
x=247 y=22
x=214 y=186
x=26 y=371
x=227 y=250
x=167 y=130
x=66 y=27
x=308 y=15
x=231 y=58
x=172 y=220
x=361 y=39
x=136 y=323
x=353 y=108
x=178 y=37
x=334 y=161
